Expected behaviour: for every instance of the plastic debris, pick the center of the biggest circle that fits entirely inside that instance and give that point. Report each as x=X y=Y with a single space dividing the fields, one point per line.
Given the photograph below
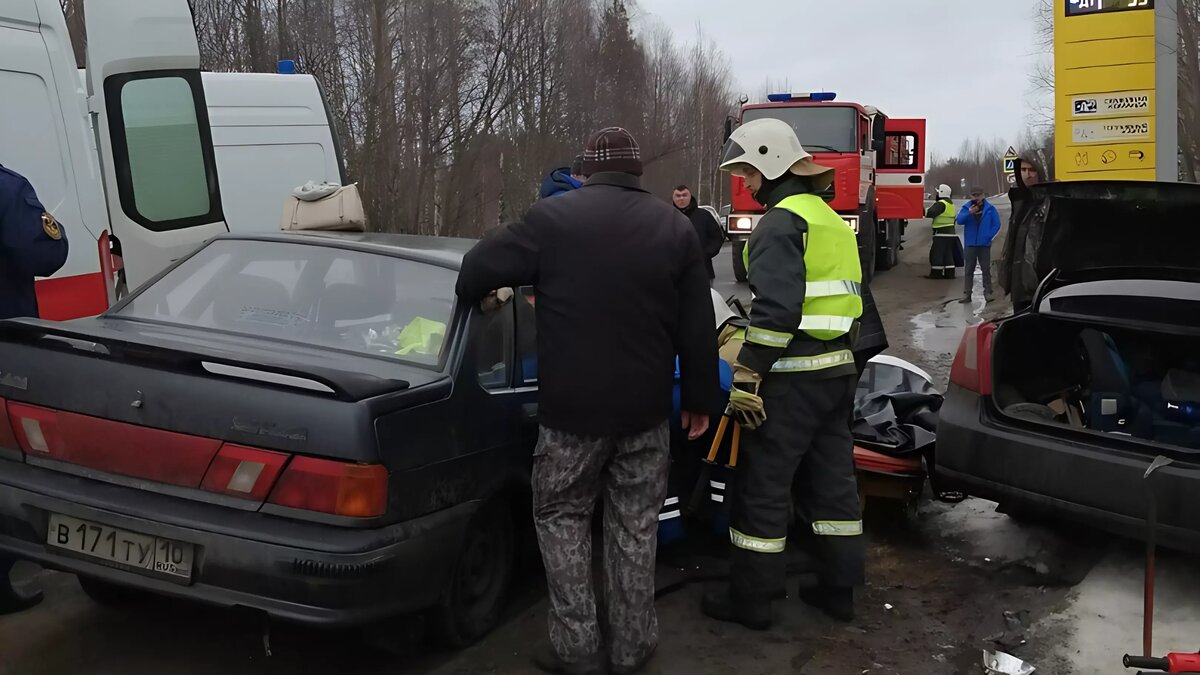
x=999 y=663
x=888 y=606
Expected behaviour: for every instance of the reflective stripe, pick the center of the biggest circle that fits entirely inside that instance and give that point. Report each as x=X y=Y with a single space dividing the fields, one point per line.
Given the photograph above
x=823 y=322
x=671 y=501
x=718 y=498
x=767 y=338
x=756 y=544
x=716 y=484
x=838 y=528
x=796 y=364
x=828 y=289
x=669 y=515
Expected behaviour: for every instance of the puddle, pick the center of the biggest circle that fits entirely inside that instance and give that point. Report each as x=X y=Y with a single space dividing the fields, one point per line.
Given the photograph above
x=938 y=331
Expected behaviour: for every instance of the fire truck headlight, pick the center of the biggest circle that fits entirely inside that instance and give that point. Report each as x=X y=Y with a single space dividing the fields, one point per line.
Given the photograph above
x=852 y=221
x=743 y=224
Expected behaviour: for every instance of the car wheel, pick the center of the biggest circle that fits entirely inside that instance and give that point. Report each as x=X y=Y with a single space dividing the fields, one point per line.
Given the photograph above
x=482 y=577
x=108 y=594
x=739 y=265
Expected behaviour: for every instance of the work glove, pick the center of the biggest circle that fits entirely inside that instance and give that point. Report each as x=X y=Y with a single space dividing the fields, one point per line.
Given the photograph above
x=745 y=405
x=496 y=299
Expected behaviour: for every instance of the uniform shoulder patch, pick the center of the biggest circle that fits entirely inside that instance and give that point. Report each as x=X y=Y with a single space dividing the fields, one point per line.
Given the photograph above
x=51 y=227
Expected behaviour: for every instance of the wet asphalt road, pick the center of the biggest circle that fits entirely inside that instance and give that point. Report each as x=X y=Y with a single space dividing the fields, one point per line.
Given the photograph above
x=939 y=587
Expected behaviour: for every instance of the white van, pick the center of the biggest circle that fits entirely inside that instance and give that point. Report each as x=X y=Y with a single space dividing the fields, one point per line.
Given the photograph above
x=142 y=114
x=271 y=133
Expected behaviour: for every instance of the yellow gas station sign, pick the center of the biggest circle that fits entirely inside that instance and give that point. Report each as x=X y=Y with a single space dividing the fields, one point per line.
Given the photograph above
x=1106 y=98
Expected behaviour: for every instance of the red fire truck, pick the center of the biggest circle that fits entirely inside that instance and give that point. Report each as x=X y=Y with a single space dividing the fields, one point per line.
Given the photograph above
x=880 y=164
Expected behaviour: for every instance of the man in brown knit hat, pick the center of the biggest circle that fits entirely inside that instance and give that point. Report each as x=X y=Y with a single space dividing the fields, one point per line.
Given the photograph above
x=611 y=319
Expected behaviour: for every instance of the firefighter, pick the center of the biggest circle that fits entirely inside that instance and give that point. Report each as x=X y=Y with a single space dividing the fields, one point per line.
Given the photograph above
x=945 y=251
x=32 y=244
x=794 y=382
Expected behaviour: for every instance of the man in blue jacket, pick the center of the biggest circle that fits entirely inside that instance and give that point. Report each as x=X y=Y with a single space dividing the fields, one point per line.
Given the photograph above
x=563 y=179
x=981 y=224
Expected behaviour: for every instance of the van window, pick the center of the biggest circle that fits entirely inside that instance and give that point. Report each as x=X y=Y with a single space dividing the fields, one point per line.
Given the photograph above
x=163 y=150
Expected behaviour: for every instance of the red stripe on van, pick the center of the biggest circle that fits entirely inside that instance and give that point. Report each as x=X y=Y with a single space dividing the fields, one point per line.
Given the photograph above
x=62 y=298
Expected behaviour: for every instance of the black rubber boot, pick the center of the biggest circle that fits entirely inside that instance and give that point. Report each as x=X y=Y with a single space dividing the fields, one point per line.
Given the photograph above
x=718 y=604
x=836 y=602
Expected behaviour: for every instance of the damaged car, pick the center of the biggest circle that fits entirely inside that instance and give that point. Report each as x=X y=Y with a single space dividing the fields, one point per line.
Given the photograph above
x=1061 y=408
x=277 y=422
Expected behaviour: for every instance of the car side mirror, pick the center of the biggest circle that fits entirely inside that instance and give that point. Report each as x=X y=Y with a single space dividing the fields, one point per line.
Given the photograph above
x=728 y=129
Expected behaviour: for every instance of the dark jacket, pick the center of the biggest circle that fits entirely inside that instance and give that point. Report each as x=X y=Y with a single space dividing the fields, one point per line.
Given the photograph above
x=777 y=275
x=32 y=244
x=557 y=182
x=611 y=317
x=708 y=230
x=1012 y=275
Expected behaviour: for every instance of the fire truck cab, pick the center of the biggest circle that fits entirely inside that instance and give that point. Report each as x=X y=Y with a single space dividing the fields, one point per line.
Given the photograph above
x=880 y=163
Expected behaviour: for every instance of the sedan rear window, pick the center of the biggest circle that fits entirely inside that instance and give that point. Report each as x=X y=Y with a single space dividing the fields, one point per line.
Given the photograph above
x=312 y=294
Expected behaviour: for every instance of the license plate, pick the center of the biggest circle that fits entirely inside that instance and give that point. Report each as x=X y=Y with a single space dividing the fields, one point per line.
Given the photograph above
x=130 y=550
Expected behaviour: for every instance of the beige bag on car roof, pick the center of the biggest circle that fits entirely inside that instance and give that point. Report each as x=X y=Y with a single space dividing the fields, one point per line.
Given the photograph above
x=324 y=206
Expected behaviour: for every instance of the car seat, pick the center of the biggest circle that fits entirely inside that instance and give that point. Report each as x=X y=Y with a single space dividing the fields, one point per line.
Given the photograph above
x=1111 y=403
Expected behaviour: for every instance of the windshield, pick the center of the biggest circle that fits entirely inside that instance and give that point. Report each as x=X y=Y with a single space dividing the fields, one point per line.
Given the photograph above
x=820 y=128
x=311 y=294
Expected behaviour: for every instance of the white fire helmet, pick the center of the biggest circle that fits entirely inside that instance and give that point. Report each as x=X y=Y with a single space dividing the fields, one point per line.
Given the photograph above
x=721 y=309
x=944 y=191
x=771 y=146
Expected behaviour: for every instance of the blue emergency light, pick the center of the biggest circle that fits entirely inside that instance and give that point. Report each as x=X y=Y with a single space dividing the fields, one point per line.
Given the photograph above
x=286 y=67
x=818 y=96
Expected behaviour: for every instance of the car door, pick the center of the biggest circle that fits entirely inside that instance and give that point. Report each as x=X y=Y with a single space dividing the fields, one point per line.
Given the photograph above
x=149 y=115
x=900 y=177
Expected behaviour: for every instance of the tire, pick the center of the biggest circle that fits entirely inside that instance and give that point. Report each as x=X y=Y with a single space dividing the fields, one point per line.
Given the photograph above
x=108 y=594
x=739 y=266
x=479 y=585
x=867 y=249
x=891 y=257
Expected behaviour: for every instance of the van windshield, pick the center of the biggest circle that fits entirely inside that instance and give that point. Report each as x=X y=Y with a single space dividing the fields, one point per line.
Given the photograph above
x=341 y=299
x=824 y=128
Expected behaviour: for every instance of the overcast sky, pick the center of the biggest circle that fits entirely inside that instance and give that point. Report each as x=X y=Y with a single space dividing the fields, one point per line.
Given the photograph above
x=961 y=64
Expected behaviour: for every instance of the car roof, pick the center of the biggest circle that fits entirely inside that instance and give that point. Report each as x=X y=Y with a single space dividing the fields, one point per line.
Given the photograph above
x=441 y=251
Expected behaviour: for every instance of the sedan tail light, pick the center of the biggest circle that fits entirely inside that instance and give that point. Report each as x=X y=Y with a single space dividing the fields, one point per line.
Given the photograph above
x=36 y=429
x=339 y=488
x=239 y=471
x=972 y=369
x=8 y=439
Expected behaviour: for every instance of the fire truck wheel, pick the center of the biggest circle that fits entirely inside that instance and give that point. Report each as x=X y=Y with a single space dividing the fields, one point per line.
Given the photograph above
x=739 y=266
x=867 y=249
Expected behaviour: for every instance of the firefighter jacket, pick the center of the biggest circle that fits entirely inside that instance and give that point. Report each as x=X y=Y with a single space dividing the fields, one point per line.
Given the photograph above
x=804 y=271
x=943 y=223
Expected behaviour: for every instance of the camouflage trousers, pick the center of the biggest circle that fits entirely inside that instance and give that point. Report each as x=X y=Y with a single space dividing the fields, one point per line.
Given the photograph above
x=570 y=474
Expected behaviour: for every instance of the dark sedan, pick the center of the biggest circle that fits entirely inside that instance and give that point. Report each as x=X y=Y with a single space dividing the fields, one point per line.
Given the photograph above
x=1064 y=407
x=304 y=424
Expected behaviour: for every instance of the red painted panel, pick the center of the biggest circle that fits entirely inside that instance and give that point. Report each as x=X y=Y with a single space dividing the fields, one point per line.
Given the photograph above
x=62 y=298
x=848 y=167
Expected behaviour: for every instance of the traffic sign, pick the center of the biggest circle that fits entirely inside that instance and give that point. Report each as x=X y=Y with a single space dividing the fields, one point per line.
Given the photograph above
x=1011 y=152
x=1010 y=165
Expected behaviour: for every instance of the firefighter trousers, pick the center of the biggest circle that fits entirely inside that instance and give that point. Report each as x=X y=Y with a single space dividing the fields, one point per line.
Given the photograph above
x=570 y=473
x=806 y=438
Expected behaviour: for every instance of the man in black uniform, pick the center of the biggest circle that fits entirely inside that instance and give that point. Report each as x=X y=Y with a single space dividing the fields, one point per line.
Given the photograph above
x=32 y=244
x=805 y=273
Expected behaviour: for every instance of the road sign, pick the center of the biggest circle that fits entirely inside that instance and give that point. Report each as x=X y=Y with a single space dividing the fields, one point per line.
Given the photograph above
x=1116 y=98
x=1010 y=165
x=1011 y=152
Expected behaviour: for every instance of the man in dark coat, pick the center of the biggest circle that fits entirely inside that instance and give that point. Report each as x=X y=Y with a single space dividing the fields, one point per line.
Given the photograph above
x=611 y=318
x=32 y=244
x=707 y=227
x=1016 y=277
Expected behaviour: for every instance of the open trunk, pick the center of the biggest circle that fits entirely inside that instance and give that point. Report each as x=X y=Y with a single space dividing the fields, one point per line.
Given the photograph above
x=1084 y=376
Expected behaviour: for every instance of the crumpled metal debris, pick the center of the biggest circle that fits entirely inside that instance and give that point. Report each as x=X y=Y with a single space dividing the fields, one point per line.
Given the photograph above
x=999 y=663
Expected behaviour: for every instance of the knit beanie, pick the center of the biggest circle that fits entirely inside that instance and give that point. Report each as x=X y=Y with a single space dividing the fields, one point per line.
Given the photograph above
x=612 y=149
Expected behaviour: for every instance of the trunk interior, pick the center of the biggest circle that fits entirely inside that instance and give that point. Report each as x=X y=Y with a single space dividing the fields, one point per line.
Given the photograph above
x=1086 y=376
